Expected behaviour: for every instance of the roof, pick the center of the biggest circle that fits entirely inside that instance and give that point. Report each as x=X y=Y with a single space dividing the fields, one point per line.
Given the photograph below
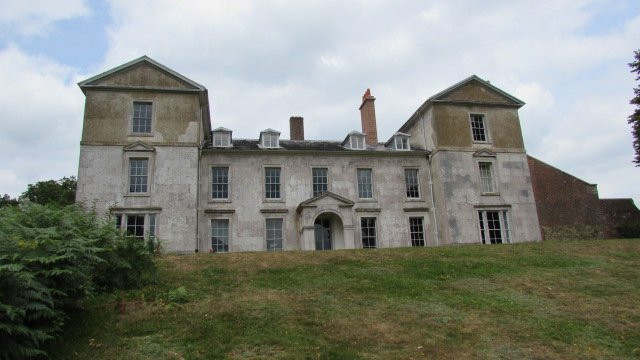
x=305 y=145
x=142 y=59
x=438 y=98
x=221 y=129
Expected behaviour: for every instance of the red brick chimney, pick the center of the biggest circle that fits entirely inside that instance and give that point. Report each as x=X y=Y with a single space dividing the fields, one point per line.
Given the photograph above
x=296 y=128
x=368 y=117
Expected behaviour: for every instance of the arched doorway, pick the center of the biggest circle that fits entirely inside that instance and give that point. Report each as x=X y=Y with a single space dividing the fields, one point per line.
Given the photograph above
x=328 y=231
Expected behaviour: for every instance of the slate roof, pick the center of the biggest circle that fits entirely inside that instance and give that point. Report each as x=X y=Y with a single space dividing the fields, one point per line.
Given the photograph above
x=303 y=145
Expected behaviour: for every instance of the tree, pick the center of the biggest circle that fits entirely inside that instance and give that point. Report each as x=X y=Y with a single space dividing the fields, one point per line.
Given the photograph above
x=634 y=119
x=7 y=200
x=60 y=192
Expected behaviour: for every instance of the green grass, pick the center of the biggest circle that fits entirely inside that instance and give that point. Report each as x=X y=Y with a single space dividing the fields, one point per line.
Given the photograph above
x=550 y=300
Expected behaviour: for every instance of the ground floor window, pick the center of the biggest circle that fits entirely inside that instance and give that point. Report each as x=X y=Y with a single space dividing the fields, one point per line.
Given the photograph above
x=368 y=232
x=494 y=226
x=137 y=225
x=220 y=235
x=274 y=234
x=416 y=230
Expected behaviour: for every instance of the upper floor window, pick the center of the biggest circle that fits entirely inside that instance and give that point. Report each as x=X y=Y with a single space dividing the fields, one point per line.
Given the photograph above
x=486 y=177
x=269 y=138
x=411 y=183
x=478 y=128
x=272 y=183
x=402 y=143
x=138 y=175
x=354 y=141
x=141 y=117
x=320 y=181
x=365 y=190
x=220 y=182
x=221 y=137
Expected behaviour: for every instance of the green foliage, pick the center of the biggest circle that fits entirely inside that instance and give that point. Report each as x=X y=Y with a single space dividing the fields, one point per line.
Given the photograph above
x=7 y=200
x=60 y=192
x=51 y=258
x=178 y=295
x=634 y=119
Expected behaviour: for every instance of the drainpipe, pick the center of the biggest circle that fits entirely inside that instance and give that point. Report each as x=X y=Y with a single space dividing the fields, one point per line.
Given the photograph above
x=433 y=202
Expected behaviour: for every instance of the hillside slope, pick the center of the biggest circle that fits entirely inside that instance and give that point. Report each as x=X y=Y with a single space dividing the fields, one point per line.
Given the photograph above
x=578 y=299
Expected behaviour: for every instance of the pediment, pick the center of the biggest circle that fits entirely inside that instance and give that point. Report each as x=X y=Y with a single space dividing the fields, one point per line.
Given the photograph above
x=484 y=153
x=327 y=198
x=476 y=90
x=139 y=146
x=142 y=73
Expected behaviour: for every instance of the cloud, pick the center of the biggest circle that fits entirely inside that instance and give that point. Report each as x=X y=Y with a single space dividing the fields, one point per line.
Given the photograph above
x=40 y=117
x=36 y=17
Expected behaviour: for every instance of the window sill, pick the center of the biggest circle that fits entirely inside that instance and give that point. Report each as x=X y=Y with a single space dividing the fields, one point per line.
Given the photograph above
x=367 y=200
x=219 y=201
x=137 y=195
x=490 y=194
x=273 y=200
x=140 y=134
x=413 y=200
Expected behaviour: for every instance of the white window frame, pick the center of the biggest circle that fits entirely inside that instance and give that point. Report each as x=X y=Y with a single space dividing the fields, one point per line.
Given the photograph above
x=150 y=231
x=402 y=143
x=406 y=184
x=131 y=160
x=412 y=228
x=266 y=233
x=270 y=140
x=370 y=183
x=484 y=181
x=376 y=235
x=211 y=183
x=211 y=234
x=483 y=225
x=221 y=139
x=356 y=142
x=281 y=184
x=485 y=128
x=313 y=180
x=130 y=131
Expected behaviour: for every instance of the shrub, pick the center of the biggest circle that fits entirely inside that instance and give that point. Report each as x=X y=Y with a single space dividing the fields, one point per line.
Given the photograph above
x=629 y=229
x=51 y=258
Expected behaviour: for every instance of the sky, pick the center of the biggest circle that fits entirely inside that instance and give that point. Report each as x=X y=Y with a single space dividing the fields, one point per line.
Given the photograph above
x=264 y=61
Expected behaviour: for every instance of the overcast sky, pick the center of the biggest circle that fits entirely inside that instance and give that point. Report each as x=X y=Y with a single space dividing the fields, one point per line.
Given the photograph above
x=264 y=61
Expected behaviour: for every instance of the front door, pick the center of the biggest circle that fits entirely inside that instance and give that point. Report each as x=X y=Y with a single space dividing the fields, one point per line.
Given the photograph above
x=322 y=230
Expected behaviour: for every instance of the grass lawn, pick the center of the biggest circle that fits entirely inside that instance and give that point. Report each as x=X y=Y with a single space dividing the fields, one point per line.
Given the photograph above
x=550 y=300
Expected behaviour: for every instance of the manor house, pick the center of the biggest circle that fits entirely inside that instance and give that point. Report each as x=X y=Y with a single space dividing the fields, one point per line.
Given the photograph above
x=455 y=172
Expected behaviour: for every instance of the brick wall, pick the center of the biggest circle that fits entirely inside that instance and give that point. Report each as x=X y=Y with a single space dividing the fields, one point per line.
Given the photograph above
x=567 y=206
x=617 y=213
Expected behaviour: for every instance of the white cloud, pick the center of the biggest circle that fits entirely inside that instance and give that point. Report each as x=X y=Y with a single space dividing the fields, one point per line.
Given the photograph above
x=36 y=17
x=41 y=120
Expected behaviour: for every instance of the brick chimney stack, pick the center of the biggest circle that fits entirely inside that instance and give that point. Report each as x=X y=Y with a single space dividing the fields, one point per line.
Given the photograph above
x=296 y=128
x=368 y=117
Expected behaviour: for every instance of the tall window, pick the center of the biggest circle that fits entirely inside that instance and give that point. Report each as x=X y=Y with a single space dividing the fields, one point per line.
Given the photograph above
x=411 y=183
x=220 y=235
x=138 y=174
x=220 y=182
x=494 y=226
x=272 y=183
x=364 y=184
x=478 y=128
x=320 y=181
x=416 y=230
x=274 y=234
x=368 y=231
x=141 y=117
x=486 y=177
x=135 y=226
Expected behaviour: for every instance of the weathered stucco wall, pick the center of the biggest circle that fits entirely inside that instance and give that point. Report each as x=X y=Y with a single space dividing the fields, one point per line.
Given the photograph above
x=176 y=117
x=461 y=197
x=143 y=75
x=452 y=126
x=103 y=185
x=246 y=198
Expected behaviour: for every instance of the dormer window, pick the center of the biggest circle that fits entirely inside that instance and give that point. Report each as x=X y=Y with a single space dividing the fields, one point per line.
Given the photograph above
x=354 y=141
x=399 y=141
x=221 y=137
x=269 y=138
